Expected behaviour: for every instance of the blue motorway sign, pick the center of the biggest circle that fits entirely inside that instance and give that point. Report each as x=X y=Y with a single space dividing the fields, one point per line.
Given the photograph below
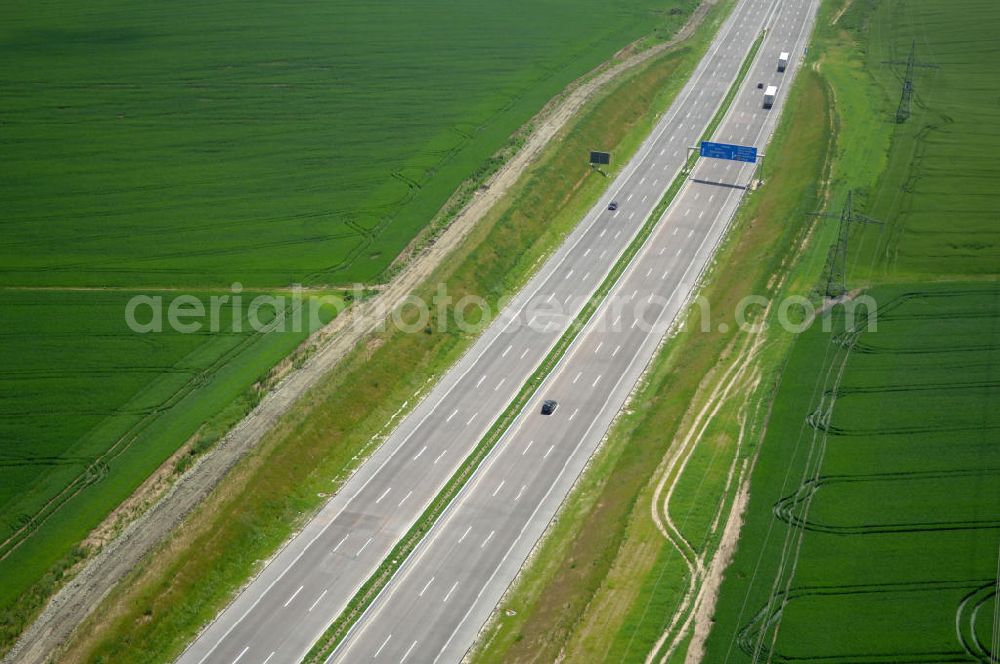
x=727 y=151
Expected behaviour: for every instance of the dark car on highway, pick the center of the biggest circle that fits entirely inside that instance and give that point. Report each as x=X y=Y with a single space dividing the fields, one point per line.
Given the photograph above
x=613 y=205
x=549 y=406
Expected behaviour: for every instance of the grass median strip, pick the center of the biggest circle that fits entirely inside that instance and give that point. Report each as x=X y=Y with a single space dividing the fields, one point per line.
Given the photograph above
x=405 y=547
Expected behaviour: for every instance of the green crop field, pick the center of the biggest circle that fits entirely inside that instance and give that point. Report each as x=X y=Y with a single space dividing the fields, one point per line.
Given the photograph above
x=937 y=193
x=874 y=525
x=200 y=143
x=90 y=408
x=873 y=531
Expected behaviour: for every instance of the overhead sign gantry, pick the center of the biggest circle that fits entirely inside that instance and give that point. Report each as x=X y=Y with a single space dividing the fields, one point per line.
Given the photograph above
x=746 y=153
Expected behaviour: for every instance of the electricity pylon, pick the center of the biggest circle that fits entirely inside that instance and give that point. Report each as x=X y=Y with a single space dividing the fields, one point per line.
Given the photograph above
x=905 y=100
x=836 y=267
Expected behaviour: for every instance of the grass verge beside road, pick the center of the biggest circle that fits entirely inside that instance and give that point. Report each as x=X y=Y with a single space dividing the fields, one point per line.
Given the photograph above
x=165 y=602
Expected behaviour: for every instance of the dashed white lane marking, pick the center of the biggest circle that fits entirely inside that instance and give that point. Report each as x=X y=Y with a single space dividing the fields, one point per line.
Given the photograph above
x=599 y=344
x=294 y=595
x=269 y=657
x=573 y=414
x=467 y=530
x=377 y=652
x=520 y=493
x=342 y=540
x=634 y=293
x=679 y=250
x=384 y=494
x=617 y=234
x=690 y=232
x=666 y=273
x=617 y=320
x=548 y=451
x=408 y=651
x=527 y=447
x=243 y=652
x=472 y=418
x=662 y=249
x=422 y=450
x=524 y=353
x=617 y=348
x=577 y=377
x=313 y=605
x=604 y=253
x=631 y=215
x=450 y=591
x=701 y=214
x=509 y=346
x=629 y=198
x=439 y=456
x=596 y=381
x=644 y=198
x=569 y=274
x=649 y=272
x=405 y=498
x=585 y=276
x=481 y=379
x=488 y=538
x=634 y=323
x=675 y=230
x=587 y=252
x=426 y=586
x=502 y=381
x=453 y=414
x=499 y=486
x=603 y=231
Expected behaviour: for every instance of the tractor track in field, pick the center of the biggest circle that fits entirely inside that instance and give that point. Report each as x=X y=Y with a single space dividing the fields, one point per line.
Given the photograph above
x=73 y=603
x=742 y=375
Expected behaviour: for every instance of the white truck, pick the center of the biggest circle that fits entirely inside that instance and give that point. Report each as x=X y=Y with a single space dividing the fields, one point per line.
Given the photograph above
x=783 y=61
x=769 y=94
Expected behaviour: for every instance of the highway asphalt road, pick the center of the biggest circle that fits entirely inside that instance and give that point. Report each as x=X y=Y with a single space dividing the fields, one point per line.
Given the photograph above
x=281 y=613
x=435 y=606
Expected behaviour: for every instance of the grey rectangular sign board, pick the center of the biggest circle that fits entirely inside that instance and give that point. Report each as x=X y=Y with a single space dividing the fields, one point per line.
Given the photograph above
x=600 y=157
x=728 y=151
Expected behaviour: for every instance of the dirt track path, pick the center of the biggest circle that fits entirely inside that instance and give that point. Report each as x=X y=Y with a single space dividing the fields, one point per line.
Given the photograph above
x=740 y=377
x=74 y=602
